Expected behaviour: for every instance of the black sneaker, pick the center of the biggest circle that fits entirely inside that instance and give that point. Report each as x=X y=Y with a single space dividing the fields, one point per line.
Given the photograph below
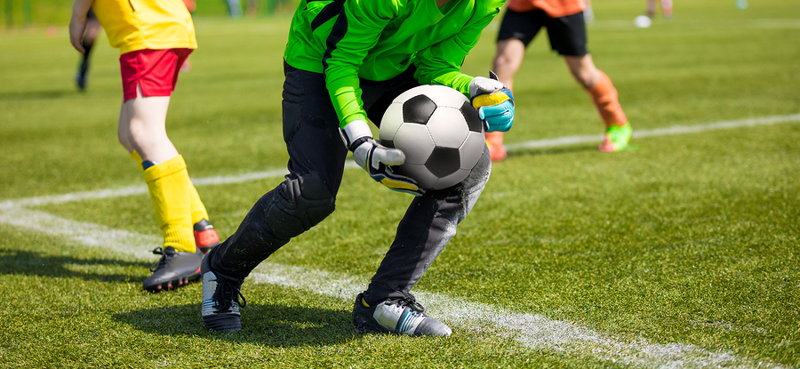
x=174 y=269
x=401 y=316
x=220 y=308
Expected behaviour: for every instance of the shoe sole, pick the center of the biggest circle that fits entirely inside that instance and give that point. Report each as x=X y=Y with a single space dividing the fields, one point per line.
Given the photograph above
x=174 y=284
x=223 y=322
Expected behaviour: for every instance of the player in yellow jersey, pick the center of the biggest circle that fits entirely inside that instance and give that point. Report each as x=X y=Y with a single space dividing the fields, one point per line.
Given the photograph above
x=566 y=29
x=154 y=38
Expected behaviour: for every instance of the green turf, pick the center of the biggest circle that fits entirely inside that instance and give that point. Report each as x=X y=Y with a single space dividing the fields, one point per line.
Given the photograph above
x=689 y=239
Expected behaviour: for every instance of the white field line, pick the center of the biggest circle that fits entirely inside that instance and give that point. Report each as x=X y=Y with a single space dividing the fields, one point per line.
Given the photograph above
x=531 y=330
x=554 y=142
x=674 y=130
x=141 y=189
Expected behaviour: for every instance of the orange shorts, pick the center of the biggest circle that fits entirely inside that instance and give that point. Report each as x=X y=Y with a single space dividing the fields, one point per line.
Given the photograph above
x=154 y=71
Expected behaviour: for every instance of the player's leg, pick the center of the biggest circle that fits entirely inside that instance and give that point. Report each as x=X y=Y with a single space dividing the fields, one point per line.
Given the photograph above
x=306 y=197
x=510 y=53
x=606 y=99
x=568 y=38
x=517 y=30
x=666 y=8
x=428 y=225
x=149 y=77
x=651 y=8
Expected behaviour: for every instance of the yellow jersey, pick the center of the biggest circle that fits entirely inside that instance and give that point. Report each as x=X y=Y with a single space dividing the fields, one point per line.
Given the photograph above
x=146 y=24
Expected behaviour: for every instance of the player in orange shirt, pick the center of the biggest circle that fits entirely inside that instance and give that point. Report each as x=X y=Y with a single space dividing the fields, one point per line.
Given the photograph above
x=566 y=30
x=154 y=38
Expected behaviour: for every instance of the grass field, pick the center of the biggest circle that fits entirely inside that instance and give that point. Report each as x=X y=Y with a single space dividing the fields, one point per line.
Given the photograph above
x=682 y=253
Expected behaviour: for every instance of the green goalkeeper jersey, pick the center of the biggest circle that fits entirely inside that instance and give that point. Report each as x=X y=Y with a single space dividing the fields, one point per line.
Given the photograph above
x=379 y=39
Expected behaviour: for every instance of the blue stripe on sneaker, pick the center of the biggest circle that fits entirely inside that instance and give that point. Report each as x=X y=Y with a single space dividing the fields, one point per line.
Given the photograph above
x=402 y=323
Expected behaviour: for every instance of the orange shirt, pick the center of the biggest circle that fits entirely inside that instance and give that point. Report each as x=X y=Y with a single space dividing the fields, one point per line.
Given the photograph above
x=553 y=8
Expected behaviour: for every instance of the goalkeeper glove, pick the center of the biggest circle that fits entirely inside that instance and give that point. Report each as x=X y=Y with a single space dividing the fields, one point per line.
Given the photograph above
x=376 y=158
x=494 y=102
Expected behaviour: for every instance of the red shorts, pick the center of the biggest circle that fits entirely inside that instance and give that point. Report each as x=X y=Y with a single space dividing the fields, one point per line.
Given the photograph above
x=154 y=71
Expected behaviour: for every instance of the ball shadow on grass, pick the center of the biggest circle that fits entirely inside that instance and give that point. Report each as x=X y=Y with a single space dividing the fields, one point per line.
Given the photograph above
x=269 y=325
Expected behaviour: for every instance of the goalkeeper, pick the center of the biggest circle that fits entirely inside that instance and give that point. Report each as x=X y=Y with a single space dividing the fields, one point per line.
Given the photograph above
x=345 y=61
x=154 y=38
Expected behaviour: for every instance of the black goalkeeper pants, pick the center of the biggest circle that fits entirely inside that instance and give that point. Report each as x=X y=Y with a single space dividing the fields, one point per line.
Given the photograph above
x=308 y=194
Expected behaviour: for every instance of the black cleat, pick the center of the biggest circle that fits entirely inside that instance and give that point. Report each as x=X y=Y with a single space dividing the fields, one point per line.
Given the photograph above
x=174 y=269
x=401 y=316
x=220 y=308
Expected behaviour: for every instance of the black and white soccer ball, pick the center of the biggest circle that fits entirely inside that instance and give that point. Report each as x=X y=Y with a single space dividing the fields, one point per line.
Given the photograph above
x=440 y=133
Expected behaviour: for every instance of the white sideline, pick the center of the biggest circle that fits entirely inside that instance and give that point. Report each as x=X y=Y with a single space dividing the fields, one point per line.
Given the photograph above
x=728 y=124
x=554 y=142
x=531 y=330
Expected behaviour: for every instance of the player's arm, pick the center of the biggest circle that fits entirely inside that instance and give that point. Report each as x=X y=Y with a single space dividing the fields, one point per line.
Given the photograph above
x=354 y=33
x=77 y=23
x=441 y=64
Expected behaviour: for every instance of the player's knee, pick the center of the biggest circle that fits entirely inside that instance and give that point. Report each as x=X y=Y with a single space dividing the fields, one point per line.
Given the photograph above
x=303 y=202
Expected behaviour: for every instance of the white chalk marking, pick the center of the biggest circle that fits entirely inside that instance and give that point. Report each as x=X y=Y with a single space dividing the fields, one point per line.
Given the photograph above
x=674 y=130
x=531 y=330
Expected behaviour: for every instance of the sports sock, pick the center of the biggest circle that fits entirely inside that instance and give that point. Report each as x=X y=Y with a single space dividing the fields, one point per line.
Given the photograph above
x=495 y=138
x=170 y=189
x=606 y=99
x=198 y=208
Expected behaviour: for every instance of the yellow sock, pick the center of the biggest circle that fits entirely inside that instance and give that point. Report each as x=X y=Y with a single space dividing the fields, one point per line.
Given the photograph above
x=199 y=211
x=170 y=190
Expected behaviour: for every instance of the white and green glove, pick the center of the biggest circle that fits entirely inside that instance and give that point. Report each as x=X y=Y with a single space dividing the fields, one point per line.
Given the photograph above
x=376 y=159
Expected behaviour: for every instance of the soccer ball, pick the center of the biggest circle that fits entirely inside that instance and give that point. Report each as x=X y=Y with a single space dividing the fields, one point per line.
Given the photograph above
x=438 y=130
x=642 y=21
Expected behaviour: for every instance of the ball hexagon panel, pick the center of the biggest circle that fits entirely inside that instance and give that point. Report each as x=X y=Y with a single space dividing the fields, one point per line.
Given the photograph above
x=418 y=109
x=448 y=127
x=443 y=161
x=471 y=117
x=415 y=141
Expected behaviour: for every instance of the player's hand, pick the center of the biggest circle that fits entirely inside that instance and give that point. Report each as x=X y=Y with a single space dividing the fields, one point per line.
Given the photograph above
x=77 y=25
x=494 y=102
x=376 y=159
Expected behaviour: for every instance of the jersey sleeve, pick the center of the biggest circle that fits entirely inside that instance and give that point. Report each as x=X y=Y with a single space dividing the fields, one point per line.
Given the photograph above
x=355 y=32
x=441 y=63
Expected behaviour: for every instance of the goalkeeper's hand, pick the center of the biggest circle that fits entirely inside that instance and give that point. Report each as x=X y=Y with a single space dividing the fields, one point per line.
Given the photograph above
x=376 y=159
x=494 y=102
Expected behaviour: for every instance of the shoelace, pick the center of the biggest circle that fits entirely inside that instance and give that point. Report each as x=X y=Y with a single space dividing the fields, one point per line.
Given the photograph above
x=227 y=291
x=410 y=301
x=161 y=262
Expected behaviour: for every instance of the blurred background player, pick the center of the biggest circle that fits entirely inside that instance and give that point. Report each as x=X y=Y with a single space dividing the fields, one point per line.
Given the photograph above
x=154 y=40
x=652 y=8
x=566 y=30
x=345 y=61
x=87 y=41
